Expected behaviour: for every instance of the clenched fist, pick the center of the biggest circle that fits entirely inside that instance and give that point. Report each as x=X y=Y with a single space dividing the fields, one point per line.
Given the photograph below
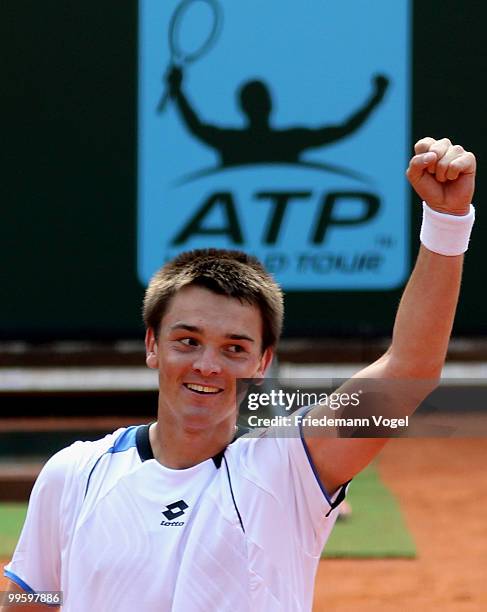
x=443 y=175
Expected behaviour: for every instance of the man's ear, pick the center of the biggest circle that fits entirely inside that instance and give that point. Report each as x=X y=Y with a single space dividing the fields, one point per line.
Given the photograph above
x=265 y=362
x=151 y=349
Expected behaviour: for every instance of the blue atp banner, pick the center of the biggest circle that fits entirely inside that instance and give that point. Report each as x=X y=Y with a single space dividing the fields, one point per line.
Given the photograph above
x=280 y=128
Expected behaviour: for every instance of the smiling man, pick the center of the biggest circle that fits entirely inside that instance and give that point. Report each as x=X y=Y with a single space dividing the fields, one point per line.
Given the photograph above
x=205 y=315
x=185 y=515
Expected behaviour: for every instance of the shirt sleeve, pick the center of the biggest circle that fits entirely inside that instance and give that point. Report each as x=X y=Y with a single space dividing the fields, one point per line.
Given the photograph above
x=35 y=565
x=318 y=508
x=279 y=463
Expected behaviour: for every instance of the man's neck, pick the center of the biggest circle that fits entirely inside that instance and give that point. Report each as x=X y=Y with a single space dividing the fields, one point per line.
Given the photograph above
x=179 y=449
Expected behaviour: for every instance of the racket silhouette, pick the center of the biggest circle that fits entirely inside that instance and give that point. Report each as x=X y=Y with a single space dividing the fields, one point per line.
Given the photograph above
x=181 y=55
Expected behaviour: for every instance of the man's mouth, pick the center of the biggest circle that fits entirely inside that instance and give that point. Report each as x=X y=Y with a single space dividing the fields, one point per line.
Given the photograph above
x=202 y=389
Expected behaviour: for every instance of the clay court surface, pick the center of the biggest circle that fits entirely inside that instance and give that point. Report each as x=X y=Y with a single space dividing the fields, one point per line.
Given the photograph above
x=442 y=486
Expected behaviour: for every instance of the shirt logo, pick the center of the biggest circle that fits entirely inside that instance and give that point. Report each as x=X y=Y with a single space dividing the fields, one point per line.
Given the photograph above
x=174 y=511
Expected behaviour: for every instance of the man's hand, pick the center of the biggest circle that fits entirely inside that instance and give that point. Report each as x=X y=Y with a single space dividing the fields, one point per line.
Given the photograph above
x=381 y=83
x=443 y=175
x=174 y=80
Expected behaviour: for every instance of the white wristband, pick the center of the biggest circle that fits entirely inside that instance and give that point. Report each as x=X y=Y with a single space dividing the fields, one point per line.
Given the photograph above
x=446 y=234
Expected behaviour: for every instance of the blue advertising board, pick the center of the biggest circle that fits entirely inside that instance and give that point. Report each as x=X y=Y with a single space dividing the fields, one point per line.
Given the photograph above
x=280 y=128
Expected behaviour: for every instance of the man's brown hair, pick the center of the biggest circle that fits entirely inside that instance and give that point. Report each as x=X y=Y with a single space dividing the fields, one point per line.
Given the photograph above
x=225 y=272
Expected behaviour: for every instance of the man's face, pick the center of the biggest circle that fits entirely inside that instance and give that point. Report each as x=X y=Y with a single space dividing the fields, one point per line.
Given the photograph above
x=206 y=341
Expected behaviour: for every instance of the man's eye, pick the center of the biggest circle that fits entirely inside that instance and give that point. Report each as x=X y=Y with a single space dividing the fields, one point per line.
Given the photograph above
x=188 y=342
x=236 y=348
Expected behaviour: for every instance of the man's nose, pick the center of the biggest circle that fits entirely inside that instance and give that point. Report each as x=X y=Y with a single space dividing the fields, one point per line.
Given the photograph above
x=207 y=362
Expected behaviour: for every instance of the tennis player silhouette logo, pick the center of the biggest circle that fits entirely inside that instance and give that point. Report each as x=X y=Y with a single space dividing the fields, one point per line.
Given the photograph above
x=259 y=142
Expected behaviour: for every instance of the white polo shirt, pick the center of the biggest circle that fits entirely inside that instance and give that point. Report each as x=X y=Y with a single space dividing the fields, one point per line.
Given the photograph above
x=117 y=531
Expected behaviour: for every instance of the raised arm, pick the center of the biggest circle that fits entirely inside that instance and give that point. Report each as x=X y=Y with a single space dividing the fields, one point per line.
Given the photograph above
x=329 y=133
x=443 y=175
x=206 y=133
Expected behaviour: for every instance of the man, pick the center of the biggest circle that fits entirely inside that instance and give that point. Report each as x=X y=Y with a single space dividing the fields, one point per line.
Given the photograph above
x=259 y=141
x=181 y=515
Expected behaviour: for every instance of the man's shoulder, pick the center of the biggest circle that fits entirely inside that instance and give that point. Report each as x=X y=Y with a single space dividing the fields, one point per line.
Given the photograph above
x=79 y=457
x=260 y=450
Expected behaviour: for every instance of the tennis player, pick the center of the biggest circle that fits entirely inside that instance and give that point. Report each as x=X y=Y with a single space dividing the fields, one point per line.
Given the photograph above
x=184 y=515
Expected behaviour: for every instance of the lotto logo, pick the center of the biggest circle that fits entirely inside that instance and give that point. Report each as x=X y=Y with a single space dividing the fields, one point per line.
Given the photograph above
x=175 y=510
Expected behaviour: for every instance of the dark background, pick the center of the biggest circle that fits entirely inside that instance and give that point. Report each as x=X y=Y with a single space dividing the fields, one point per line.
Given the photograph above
x=68 y=206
